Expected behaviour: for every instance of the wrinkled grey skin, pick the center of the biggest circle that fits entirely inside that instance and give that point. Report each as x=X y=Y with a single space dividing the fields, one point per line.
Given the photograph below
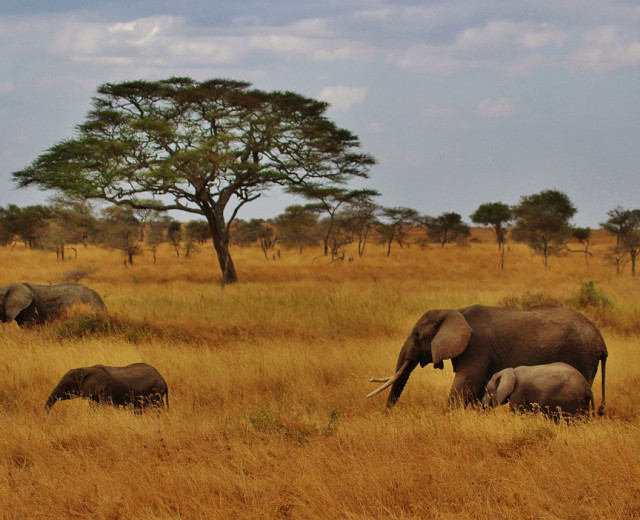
x=549 y=388
x=481 y=341
x=139 y=385
x=31 y=304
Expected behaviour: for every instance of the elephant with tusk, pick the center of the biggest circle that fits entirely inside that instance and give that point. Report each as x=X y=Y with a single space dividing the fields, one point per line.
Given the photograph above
x=29 y=303
x=481 y=341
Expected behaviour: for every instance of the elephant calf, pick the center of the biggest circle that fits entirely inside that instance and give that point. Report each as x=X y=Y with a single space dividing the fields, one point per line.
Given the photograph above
x=139 y=385
x=554 y=387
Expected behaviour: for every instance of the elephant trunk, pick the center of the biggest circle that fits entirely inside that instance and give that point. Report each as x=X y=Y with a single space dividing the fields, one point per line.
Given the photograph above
x=59 y=392
x=400 y=382
x=50 y=401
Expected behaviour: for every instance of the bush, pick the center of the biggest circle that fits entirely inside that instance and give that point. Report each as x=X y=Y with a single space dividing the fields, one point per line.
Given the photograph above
x=590 y=297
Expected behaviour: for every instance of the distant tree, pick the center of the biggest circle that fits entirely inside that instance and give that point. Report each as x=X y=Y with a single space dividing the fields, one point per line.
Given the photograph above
x=121 y=231
x=157 y=232
x=624 y=224
x=6 y=236
x=9 y=223
x=395 y=224
x=329 y=200
x=359 y=218
x=339 y=238
x=197 y=231
x=245 y=233
x=257 y=230
x=498 y=216
x=26 y=223
x=266 y=237
x=174 y=235
x=542 y=221
x=583 y=237
x=616 y=255
x=298 y=227
x=446 y=228
x=207 y=148
x=69 y=223
x=143 y=215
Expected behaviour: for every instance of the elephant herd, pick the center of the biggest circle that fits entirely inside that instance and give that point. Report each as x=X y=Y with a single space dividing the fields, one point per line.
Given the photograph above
x=540 y=358
x=138 y=384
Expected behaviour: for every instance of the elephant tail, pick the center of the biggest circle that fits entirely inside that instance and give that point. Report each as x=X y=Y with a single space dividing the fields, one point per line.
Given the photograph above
x=603 y=364
x=166 y=399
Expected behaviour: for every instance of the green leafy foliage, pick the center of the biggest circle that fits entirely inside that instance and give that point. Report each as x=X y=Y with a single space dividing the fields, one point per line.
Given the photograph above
x=206 y=148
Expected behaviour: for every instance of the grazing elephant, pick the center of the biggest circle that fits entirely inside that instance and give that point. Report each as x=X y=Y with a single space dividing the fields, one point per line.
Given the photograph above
x=550 y=388
x=29 y=303
x=481 y=341
x=138 y=384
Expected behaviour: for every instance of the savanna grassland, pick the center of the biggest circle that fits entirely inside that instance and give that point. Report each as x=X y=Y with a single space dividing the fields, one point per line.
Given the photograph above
x=267 y=381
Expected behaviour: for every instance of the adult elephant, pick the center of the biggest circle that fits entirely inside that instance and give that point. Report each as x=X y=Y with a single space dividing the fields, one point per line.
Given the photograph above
x=481 y=341
x=29 y=303
x=138 y=384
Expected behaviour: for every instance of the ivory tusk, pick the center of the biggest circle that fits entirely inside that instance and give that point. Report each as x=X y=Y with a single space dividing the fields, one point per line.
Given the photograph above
x=388 y=381
x=380 y=379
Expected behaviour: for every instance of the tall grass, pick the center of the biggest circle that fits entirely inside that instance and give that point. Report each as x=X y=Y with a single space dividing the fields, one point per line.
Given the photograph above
x=267 y=381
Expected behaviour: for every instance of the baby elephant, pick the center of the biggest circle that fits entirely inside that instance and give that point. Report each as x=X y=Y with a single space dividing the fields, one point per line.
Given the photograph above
x=139 y=385
x=544 y=387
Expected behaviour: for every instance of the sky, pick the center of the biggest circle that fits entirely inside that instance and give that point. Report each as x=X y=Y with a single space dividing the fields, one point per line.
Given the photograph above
x=461 y=102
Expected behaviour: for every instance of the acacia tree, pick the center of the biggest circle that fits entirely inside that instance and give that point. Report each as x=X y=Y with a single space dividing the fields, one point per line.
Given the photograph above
x=625 y=225
x=298 y=226
x=120 y=231
x=156 y=233
x=197 y=231
x=69 y=223
x=329 y=199
x=206 y=148
x=395 y=224
x=542 y=221
x=27 y=223
x=448 y=227
x=359 y=218
x=582 y=235
x=497 y=215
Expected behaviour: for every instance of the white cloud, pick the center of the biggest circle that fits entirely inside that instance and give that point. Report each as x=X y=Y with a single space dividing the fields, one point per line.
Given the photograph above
x=606 y=48
x=167 y=40
x=497 y=45
x=342 y=97
x=495 y=107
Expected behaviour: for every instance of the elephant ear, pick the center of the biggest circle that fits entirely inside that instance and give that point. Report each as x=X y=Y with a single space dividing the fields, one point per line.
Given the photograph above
x=505 y=385
x=451 y=338
x=17 y=299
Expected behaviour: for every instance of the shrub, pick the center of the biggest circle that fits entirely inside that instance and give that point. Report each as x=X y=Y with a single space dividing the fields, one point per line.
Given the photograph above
x=589 y=296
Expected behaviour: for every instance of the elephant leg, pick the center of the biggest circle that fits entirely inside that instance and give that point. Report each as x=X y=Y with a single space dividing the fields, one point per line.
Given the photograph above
x=465 y=390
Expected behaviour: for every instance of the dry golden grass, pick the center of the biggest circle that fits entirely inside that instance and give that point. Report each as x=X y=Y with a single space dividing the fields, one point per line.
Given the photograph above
x=267 y=381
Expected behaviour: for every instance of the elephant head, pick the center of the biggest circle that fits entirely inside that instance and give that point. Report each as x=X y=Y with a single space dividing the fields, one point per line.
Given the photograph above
x=438 y=335
x=90 y=382
x=15 y=298
x=499 y=388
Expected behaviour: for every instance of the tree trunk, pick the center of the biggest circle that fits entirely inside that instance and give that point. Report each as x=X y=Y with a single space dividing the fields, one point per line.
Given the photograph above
x=229 y=274
x=221 y=247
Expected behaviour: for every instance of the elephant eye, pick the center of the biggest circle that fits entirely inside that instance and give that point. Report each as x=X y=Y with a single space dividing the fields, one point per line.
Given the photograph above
x=416 y=337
